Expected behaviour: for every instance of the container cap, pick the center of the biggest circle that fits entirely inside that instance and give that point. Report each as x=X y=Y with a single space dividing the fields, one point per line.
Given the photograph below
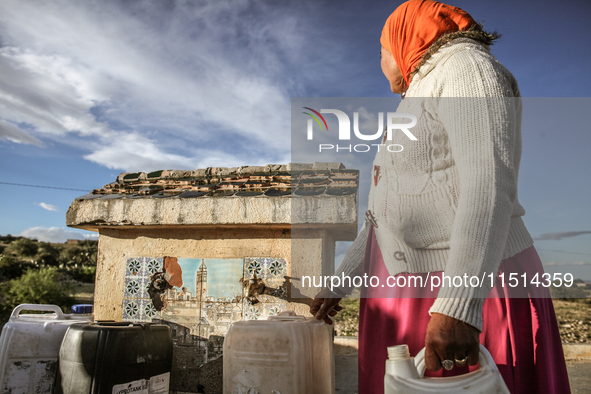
x=398 y=352
x=82 y=308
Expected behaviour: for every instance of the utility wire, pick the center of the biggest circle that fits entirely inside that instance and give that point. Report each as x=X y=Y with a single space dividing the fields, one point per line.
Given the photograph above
x=43 y=187
x=84 y=190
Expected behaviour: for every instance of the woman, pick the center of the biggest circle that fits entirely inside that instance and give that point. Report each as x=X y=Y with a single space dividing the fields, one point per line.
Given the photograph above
x=447 y=206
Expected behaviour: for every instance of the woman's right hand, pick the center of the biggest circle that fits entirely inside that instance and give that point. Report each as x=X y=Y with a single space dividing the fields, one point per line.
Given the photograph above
x=325 y=304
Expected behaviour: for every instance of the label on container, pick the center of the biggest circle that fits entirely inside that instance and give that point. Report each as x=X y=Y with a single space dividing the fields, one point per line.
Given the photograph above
x=159 y=383
x=135 y=387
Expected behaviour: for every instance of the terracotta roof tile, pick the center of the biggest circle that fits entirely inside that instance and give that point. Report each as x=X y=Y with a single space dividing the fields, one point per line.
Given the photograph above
x=273 y=180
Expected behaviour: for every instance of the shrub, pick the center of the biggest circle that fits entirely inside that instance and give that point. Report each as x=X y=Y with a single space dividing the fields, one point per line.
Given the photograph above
x=568 y=293
x=45 y=286
x=23 y=247
x=347 y=321
x=11 y=267
x=84 y=274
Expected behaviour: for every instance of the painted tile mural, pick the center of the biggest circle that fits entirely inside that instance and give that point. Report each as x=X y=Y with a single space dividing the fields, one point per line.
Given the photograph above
x=207 y=295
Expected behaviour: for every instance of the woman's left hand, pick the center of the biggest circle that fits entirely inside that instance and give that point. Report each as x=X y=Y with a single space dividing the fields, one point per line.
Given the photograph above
x=450 y=339
x=325 y=304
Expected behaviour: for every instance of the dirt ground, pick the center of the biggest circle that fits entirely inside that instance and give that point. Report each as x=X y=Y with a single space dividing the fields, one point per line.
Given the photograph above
x=83 y=293
x=574 y=319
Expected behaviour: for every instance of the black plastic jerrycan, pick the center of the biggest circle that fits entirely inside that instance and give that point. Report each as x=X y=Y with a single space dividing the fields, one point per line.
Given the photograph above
x=115 y=358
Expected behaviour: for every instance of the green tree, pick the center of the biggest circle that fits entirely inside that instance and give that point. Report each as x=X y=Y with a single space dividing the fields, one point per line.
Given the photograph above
x=83 y=254
x=89 y=250
x=12 y=267
x=568 y=293
x=48 y=254
x=43 y=286
x=23 y=247
x=8 y=238
x=70 y=256
x=84 y=274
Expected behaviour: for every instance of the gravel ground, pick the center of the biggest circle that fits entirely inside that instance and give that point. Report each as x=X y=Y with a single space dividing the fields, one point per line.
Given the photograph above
x=574 y=319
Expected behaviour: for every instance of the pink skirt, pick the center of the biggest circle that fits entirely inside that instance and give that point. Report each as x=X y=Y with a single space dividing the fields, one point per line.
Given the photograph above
x=520 y=333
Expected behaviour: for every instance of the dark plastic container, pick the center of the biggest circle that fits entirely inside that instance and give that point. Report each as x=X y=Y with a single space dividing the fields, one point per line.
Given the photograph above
x=110 y=358
x=82 y=308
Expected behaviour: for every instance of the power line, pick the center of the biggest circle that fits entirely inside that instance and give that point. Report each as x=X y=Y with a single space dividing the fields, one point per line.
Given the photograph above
x=43 y=187
x=84 y=190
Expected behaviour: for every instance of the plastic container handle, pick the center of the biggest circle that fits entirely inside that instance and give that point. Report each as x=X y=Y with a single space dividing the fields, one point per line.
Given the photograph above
x=37 y=307
x=288 y=315
x=287 y=318
x=485 y=360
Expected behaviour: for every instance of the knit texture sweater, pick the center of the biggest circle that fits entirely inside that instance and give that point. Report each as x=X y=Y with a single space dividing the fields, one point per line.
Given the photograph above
x=448 y=202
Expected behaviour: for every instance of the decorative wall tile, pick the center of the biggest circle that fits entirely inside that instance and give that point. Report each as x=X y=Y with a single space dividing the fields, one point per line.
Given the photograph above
x=271 y=270
x=252 y=312
x=135 y=287
x=154 y=265
x=144 y=305
x=137 y=305
x=277 y=268
x=252 y=266
x=131 y=310
x=135 y=267
x=150 y=311
x=274 y=310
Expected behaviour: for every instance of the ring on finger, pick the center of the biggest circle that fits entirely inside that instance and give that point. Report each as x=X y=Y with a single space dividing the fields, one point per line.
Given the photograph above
x=447 y=364
x=462 y=362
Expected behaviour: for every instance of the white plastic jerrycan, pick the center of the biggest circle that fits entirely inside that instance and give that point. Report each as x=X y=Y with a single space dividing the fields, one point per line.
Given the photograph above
x=405 y=374
x=29 y=347
x=286 y=354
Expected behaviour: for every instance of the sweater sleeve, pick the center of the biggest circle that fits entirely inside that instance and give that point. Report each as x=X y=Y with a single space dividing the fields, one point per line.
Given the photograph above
x=482 y=123
x=352 y=264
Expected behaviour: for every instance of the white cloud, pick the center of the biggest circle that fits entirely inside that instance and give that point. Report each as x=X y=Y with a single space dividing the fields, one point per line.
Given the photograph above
x=145 y=86
x=13 y=133
x=49 y=207
x=560 y=235
x=575 y=264
x=134 y=152
x=369 y=122
x=54 y=234
x=47 y=92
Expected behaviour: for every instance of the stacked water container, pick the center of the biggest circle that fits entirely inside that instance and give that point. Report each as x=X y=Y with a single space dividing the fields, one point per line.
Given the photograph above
x=115 y=358
x=29 y=347
x=286 y=354
x=53 y=352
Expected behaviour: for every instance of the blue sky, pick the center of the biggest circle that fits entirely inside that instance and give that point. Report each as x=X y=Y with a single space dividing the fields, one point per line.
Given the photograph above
x=221 y=276
x=92 y=89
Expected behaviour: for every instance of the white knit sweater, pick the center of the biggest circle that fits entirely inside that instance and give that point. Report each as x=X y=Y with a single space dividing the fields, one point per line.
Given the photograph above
x=448 y=201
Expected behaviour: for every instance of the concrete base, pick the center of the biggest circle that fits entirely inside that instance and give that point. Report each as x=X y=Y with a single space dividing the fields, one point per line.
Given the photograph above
x=577 y=351
x=346 y=373
x=579 y=375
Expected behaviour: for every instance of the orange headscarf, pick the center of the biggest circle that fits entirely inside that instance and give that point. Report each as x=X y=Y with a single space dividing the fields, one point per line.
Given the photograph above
x=415 y=25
